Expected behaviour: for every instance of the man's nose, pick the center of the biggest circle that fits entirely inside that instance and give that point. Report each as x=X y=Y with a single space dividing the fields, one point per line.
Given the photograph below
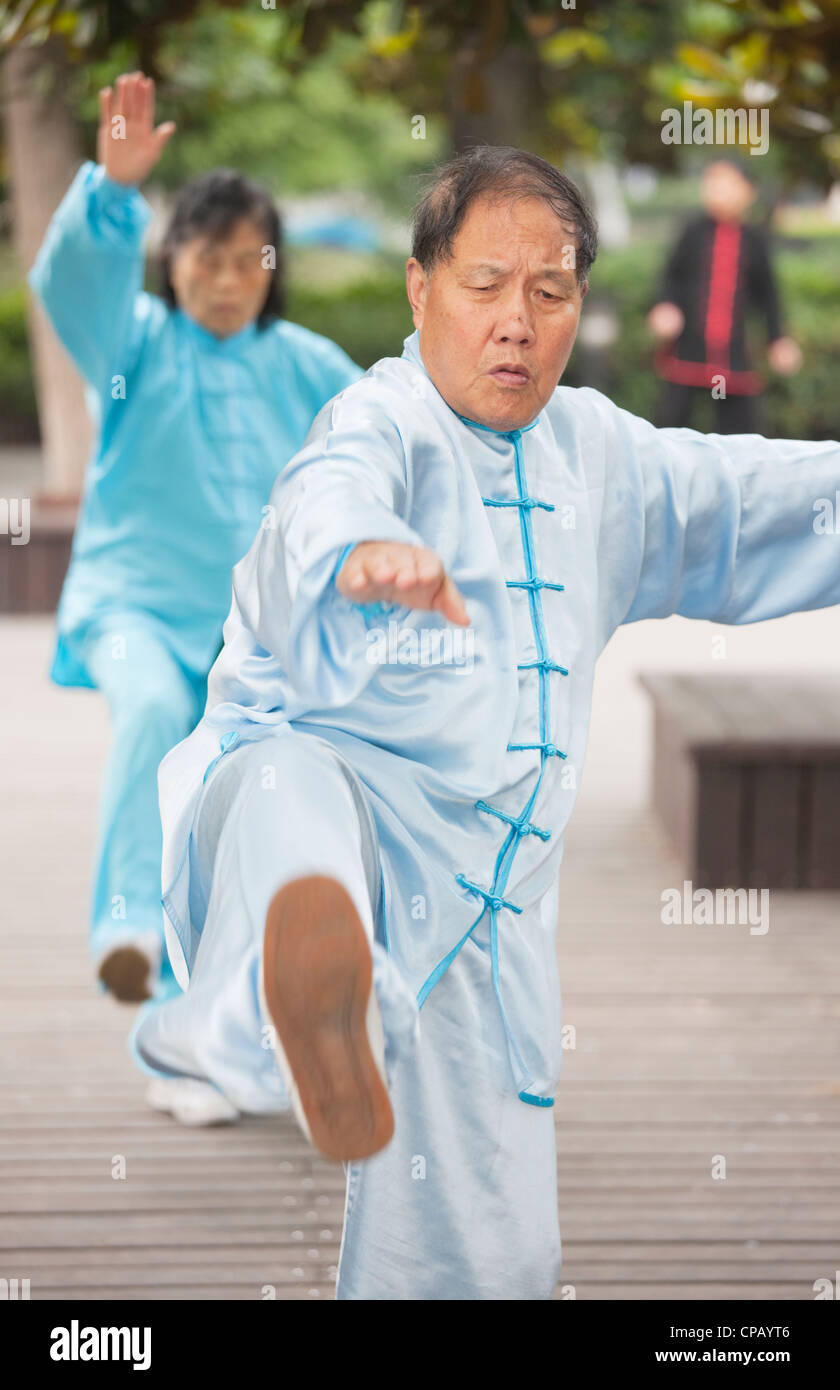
x=514 y=323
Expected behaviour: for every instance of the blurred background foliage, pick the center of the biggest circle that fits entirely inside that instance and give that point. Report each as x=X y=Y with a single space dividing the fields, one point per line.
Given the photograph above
x=321 y=97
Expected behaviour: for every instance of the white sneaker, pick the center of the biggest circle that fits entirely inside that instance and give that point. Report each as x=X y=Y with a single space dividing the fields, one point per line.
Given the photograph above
x=316 y=989
x=190 y=1101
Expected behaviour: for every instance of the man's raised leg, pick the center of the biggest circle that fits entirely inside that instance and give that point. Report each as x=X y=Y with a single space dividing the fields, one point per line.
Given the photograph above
x=285 y=851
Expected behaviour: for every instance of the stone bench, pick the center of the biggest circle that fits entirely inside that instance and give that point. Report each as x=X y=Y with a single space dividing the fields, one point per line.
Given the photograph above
x=746 y=776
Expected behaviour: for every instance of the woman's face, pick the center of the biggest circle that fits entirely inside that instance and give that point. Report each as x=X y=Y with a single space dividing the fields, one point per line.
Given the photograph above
x=223 y=284
x=725 y=192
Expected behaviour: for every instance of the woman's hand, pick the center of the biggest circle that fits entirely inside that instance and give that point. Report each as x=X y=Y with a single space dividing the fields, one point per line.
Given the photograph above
x=409 y=575
x=127 y=143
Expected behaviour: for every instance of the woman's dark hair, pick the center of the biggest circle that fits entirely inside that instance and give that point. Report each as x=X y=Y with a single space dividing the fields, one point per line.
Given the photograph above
x=503 y=172
x=211 y=205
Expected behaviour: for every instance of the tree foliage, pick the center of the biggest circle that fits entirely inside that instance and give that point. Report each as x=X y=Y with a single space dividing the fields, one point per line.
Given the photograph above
x=591 y=80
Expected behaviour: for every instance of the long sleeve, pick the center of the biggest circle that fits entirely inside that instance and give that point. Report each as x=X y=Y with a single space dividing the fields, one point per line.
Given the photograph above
x=314 y=369
x=348 y=484
x=721 y=527
x=89 y=274
x=764 y=291
x=679 y=269
x=336 y=369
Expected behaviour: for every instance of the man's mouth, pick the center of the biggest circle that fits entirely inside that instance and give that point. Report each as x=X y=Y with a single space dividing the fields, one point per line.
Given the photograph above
x=510 y=374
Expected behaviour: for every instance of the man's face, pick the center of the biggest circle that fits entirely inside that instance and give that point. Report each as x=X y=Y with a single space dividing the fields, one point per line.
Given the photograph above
x=497 y=321
x=222 y=284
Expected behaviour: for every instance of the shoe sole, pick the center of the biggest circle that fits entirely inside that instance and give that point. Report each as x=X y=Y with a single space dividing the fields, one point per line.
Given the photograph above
x=124 y=972
x=317 y=981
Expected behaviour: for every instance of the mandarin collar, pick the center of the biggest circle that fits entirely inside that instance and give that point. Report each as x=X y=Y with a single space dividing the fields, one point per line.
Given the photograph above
x=229 y=346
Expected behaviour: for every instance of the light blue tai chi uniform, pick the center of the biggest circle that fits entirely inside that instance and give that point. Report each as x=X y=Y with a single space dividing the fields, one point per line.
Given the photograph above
x=191 y=434
x=437 y=781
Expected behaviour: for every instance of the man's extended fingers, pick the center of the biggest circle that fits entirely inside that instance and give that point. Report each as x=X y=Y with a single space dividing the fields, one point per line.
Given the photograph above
x=406 y=577
x=358 y=579
x=365 y=570
x=429 y=567
x=383 y=571
x=413 y=577
x=449 y=602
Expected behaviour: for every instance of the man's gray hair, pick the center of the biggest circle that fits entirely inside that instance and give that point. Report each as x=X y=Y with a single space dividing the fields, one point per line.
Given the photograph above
x=500 y=171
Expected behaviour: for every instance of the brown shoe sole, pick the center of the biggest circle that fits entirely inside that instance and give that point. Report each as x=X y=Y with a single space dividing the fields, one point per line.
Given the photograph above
x=317 y=975
x=124 y=973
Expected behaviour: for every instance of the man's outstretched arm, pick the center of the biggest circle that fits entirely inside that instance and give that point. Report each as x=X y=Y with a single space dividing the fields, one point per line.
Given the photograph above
x=722 y=527
x=335 y=550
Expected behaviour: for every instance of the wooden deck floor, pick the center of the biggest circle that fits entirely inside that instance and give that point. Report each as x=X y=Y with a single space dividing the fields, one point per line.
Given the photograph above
x=691 y=1042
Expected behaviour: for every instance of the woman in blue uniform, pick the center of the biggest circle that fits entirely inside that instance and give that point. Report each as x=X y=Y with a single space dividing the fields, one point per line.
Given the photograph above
x=200 y=396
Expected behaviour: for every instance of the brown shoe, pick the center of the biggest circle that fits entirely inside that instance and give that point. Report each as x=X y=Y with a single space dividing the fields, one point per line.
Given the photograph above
x=316 y=987
x=125 y=973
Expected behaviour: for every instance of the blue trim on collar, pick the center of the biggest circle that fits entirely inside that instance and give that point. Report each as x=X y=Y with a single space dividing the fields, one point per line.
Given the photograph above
x=465 y=419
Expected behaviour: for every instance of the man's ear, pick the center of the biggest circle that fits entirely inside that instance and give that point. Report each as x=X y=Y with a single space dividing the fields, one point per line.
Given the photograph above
x=415 y=287
x=584 y=288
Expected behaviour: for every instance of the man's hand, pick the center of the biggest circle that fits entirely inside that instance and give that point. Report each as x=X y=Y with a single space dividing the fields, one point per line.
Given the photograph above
x=130 y=147
x=666 y=320
x=409 y=575
x=785 y=356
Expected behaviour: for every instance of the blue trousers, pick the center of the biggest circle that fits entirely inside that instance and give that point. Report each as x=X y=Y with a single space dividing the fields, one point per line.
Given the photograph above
x=153 y=704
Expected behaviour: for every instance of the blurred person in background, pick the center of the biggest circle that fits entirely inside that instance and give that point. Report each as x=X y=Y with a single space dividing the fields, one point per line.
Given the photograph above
x=718 y=273
x=200 y=395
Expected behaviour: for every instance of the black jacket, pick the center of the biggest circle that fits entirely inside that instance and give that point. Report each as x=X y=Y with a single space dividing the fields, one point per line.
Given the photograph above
x=718 y=273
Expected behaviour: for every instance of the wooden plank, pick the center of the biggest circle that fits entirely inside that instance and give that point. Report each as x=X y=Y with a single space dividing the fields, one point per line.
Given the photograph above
x=674 y=784
x=721 y=829
x=822 y=849
x=773 y=856
x=691 y=1041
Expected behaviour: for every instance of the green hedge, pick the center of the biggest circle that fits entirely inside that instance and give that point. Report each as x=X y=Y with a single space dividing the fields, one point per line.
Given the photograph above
x=806 y=406
x=370 y=319
x=18 y=411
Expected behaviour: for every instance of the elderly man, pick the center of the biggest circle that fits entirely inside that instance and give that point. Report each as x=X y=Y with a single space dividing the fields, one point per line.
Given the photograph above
x=353 y=808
